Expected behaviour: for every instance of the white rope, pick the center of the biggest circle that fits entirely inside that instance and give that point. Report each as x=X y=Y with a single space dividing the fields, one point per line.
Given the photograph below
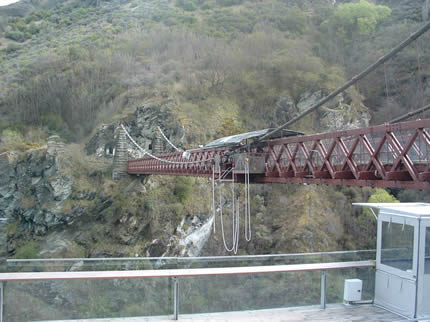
x=222 y=223
x=235 y=220
x=168 y=141
x=157 y=158
x=236 y=231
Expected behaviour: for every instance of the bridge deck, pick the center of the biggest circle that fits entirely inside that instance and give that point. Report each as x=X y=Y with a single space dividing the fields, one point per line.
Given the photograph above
x=335 y=312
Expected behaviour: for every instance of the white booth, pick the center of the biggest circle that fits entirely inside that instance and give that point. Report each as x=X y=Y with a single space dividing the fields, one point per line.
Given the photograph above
x=402 y=282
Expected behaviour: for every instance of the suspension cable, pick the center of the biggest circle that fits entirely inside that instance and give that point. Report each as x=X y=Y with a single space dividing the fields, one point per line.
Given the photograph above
x=159 y=159
x=168 y=141
x=387 y=95
x=419 y=76
x=352 y=81
x=409 y=114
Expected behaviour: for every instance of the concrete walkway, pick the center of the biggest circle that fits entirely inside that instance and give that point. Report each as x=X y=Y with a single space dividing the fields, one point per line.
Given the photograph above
x=335 y=312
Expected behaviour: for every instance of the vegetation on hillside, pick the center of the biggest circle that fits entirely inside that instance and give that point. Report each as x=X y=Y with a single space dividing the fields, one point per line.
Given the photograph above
x=69 y=64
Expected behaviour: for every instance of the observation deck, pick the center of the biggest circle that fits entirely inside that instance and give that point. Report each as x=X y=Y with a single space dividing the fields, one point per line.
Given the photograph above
x=288 y=287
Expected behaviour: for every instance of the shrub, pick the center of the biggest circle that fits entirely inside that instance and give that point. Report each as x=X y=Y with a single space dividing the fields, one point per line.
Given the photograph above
x=12 y=48
x=182 y=188
x=12 y=228
x=29 y=250
x=187 y=5
x=294 y=21
x=228 y=3
x=14 y=141
x=16 y=35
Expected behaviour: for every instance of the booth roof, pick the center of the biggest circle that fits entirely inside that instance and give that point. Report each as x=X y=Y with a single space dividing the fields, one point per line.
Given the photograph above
x=415 y=209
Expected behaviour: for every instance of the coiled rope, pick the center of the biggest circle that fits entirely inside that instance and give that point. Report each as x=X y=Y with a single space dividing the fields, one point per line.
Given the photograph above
x=247 y=205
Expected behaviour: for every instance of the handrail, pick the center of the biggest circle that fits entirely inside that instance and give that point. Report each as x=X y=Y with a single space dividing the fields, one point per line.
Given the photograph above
x=200 y=258
x=92 y=275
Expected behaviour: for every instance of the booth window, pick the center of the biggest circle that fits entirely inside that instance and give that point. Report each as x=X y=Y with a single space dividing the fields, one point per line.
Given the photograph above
x=427 y=252
x=397 y=248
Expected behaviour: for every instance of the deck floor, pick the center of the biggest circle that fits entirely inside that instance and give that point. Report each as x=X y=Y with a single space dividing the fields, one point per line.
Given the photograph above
x=336 y=312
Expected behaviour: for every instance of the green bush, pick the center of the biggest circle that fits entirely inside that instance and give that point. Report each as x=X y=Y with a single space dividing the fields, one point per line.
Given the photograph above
x=228 y=3
x=12 y=48
x=182 y=188
x=16 y=35
x=294 y=21
x=33 y=28
x=29 y=250
x=187 y=5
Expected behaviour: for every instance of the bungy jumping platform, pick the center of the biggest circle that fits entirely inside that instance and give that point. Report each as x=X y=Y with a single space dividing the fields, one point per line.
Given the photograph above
x=333 y=312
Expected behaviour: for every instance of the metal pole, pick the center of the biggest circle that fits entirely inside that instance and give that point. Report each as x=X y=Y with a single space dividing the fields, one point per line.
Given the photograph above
x=410 y=114
x=1 y=301
x=175 y=298
x=323 y=289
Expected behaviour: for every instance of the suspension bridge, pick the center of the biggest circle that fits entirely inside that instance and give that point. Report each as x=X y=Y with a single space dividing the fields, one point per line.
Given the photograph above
x=389 y=155
x=394 y=155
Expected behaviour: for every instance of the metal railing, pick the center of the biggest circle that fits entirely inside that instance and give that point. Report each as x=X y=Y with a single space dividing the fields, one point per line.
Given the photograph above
x=176 y=274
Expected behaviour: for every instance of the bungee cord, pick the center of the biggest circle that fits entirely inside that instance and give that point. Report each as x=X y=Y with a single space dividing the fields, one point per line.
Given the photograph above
x=247 y=205
x=236 y=209
x=235 y=198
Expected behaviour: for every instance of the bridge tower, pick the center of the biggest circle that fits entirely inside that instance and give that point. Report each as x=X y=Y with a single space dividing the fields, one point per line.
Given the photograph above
x=4 y=163
x=157 y=143
x=120 y=158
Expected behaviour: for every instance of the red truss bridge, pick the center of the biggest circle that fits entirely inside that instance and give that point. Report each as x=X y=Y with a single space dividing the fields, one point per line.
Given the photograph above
x=390 y=155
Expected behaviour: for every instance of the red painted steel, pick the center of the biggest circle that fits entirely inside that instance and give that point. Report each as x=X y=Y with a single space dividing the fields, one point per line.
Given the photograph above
x=389 y=155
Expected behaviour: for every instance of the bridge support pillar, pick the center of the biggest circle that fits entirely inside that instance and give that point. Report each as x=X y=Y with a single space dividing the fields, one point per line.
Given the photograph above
x=157 y=143
x=120 y=159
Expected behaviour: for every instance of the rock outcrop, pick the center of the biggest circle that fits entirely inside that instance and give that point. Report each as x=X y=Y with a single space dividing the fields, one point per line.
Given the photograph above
x=142 y=126
x=346 y=111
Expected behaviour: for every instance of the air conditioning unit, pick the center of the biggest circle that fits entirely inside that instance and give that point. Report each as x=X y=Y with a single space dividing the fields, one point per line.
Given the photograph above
x=352 y=290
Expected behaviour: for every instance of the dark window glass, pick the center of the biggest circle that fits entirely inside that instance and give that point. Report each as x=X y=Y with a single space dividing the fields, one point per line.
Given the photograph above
x=397 y=247
x=427 y=252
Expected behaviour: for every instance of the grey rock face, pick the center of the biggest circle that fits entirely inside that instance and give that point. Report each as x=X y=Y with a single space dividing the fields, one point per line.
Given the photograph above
x=142 y=127
x=33 y=190
x=343 y=112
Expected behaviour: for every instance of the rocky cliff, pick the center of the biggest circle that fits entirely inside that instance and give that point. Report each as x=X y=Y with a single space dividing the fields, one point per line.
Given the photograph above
x=60 y=201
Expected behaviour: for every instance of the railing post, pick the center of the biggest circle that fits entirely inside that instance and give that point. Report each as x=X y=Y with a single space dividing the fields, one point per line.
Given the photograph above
x=1 y=301
x=175 y=298
x=323 y=289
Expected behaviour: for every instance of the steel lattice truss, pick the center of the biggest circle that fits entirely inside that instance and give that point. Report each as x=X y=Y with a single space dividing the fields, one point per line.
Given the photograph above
x=396 y=156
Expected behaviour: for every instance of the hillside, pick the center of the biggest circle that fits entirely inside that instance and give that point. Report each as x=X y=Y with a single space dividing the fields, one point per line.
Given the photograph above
x=200 y=69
